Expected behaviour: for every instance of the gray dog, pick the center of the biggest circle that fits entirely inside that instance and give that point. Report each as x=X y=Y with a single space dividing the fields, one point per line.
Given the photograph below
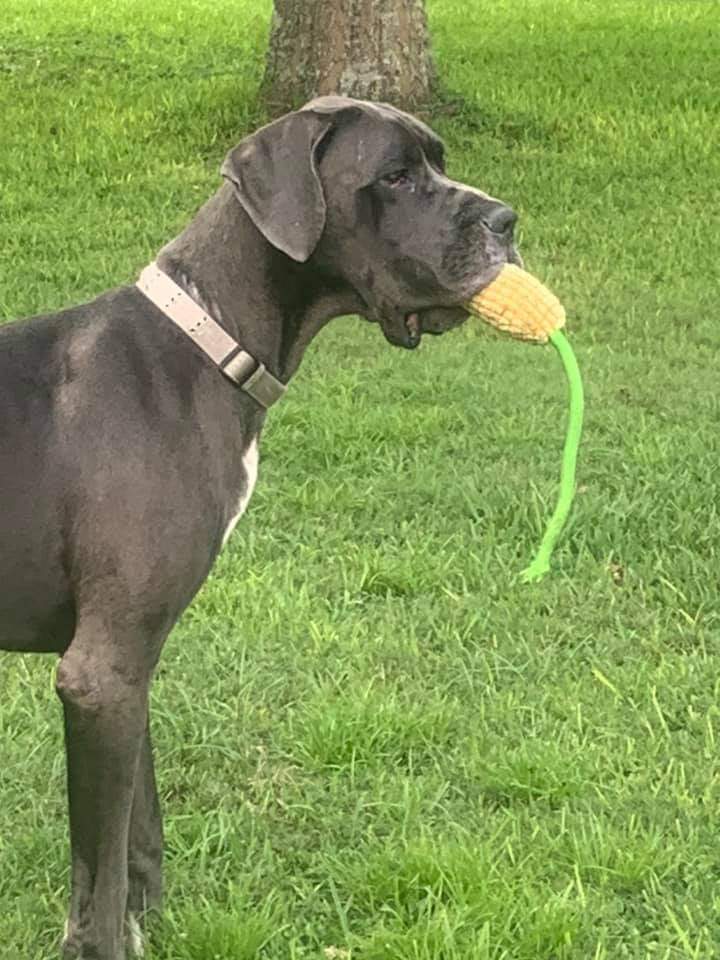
x=130 y=430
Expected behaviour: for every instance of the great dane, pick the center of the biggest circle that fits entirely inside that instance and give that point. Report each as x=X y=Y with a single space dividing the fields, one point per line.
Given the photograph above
x=129 y=431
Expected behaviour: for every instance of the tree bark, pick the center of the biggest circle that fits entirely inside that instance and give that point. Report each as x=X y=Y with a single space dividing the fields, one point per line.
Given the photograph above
x=370 y=49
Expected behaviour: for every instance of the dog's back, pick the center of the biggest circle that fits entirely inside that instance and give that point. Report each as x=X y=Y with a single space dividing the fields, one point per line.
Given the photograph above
x=98 y=425
x=34 y=605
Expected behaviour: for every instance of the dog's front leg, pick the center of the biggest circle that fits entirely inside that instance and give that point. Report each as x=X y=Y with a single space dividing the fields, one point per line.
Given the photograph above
x=145 y=847
x=104 y=692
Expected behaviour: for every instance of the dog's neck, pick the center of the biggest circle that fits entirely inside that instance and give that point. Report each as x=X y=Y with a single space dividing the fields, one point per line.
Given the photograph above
x=215 y=261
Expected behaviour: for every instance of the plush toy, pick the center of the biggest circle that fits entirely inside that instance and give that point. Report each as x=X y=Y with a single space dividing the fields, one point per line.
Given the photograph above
x=520 y=305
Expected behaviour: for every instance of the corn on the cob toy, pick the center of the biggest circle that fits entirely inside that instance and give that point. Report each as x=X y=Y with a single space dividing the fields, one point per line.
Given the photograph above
x=517 y=303
x=520 y=305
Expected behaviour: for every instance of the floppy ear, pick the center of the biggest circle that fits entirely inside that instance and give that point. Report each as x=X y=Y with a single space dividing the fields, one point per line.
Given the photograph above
x=274 y=174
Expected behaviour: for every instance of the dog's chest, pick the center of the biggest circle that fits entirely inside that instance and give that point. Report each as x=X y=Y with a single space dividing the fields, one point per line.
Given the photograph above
x=247 y=483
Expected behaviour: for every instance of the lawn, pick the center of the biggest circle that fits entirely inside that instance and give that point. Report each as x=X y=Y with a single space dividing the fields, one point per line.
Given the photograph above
x=373 y=741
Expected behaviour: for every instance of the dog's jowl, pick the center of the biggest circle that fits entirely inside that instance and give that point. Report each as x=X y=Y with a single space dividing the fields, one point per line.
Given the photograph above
x=130 y=430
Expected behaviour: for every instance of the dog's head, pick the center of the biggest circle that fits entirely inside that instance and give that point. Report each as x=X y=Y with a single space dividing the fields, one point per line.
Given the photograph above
x=359 y=190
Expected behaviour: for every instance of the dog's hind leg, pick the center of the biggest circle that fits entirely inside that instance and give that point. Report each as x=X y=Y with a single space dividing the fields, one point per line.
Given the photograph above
x=145 y=848
x=102 y=680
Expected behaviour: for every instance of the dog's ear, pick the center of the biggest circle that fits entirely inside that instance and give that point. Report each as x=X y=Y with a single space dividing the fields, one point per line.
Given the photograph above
x=275 y=178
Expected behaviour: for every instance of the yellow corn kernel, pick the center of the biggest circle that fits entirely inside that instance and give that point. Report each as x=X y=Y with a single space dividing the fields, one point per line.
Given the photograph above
x=517 y=303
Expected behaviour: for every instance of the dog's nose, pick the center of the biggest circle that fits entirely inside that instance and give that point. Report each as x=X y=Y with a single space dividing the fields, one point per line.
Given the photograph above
x=500 y=219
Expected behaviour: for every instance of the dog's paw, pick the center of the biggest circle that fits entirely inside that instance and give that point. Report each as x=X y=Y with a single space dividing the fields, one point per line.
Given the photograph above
x=135 y=935
x=70 y=946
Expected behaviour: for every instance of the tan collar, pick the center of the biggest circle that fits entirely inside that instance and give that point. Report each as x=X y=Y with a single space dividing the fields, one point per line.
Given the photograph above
x=237 y=365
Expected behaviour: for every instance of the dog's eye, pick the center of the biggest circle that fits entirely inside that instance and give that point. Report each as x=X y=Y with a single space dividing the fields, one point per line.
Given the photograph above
x=398 y=178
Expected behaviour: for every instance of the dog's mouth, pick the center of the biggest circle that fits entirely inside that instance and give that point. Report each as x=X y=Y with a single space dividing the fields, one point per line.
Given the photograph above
x=433 y=321
x=413 y=330
x=406 y=329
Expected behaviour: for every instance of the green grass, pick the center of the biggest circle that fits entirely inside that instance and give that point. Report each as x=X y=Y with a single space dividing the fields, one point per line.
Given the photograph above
x=373 y=741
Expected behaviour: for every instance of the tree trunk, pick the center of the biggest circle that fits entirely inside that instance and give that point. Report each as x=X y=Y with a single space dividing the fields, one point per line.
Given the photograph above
x=370 y=49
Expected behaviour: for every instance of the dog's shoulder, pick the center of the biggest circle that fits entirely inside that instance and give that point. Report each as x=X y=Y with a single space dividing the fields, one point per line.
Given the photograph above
x=35 y=351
